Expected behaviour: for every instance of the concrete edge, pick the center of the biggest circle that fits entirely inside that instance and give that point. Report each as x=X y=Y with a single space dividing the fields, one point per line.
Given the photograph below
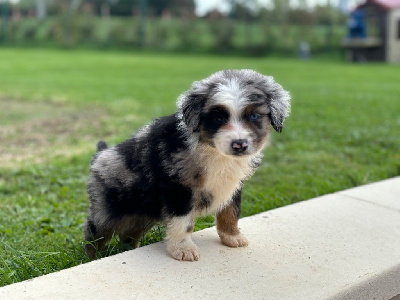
x=379 y=286
x=382 y=285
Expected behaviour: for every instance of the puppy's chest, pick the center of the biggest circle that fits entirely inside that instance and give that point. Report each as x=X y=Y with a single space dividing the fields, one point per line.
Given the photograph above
x=221 y=179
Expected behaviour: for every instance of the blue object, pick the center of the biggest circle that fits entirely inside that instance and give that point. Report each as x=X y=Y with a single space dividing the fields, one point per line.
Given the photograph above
x=356 y=24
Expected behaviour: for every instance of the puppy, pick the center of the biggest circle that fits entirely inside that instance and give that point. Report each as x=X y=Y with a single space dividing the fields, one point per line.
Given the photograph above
x=188 y=164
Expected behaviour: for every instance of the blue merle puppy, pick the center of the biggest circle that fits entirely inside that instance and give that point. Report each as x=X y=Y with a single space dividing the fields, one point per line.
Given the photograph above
x=189 y=164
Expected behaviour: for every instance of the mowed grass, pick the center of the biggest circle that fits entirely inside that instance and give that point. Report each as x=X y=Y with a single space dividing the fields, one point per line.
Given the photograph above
x=55 y=105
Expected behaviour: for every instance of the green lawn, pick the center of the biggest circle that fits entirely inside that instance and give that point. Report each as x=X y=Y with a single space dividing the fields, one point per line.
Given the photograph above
x=55 y=106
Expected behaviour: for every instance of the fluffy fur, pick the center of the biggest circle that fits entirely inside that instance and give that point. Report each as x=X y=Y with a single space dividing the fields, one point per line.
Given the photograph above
x=185 y=165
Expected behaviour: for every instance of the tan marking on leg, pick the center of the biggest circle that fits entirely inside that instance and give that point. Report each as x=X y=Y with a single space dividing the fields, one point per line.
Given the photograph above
x=96 y=240
x=133 y=228
x=228 y=230
x=132 y=237
x=227 y=221
x=93 y=248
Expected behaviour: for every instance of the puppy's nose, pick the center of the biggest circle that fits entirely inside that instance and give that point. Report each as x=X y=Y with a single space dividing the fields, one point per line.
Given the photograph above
x=239 y=146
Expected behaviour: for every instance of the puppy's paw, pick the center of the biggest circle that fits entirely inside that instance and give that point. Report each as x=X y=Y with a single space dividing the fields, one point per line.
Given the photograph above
x=238 y=240
x=184 y=251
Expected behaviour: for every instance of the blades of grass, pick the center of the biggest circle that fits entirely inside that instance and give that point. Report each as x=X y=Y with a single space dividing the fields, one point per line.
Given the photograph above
x=24 y=259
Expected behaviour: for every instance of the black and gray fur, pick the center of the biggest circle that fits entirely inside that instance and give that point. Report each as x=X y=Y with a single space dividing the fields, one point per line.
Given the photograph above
x=191 y=163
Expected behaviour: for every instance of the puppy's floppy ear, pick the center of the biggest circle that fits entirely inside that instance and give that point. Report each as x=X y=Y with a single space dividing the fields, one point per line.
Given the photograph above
x=191 y=107
x=278 y=101
x=191 y=103
x=280 y=108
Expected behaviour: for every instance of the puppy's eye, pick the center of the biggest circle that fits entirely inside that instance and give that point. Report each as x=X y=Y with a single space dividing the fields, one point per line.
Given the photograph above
x=218 y=118
x=254 y=117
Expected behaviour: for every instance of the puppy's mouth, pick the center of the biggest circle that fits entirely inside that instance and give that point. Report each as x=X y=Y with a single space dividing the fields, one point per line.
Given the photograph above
x=240 y=154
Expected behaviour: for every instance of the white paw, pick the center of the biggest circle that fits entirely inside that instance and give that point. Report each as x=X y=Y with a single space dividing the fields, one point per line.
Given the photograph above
x=238 y=240
x=184 y=251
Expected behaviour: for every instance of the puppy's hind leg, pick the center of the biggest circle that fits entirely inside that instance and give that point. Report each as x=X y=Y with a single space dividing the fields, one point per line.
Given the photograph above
x=132 y=237
x=136 y=232
x=96 y=238
x=179 y=239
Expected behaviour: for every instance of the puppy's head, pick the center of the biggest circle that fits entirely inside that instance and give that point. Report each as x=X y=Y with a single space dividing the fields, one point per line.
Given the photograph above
x=232 y=110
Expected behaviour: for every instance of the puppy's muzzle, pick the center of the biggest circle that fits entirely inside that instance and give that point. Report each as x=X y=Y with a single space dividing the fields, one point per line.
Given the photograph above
x=239 y=146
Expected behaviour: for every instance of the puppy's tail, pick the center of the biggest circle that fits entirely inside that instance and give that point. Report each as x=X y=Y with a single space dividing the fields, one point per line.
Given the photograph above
x=101 y=145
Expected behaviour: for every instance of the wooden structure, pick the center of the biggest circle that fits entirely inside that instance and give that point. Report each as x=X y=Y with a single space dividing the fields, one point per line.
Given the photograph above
x=374 y=32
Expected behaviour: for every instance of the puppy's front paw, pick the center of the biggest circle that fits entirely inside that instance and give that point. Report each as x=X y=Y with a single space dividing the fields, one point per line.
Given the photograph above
x=238 y=240
x=184 y=251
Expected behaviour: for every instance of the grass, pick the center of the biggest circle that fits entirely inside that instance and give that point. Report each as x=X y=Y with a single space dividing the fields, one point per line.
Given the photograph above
x=55 y=105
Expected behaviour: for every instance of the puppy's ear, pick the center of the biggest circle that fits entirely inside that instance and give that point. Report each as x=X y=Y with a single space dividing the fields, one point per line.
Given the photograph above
x=191 y=103
x=280 y=108
x=191 y=107
x=278 y=101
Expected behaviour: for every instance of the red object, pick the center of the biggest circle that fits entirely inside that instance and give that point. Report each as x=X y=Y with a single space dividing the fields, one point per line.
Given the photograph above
x=385 y=4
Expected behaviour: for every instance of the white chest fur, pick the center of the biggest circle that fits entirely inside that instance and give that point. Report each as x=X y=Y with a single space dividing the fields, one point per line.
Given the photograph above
x=223 y=176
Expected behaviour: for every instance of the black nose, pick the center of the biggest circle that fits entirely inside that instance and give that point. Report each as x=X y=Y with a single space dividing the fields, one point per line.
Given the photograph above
x=239 y=146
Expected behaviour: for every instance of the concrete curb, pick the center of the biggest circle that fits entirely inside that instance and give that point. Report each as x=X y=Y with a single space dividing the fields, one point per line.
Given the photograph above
x=339 y=246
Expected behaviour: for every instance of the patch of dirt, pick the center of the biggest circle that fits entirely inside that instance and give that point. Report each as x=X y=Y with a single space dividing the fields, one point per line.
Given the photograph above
x=33 y=132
